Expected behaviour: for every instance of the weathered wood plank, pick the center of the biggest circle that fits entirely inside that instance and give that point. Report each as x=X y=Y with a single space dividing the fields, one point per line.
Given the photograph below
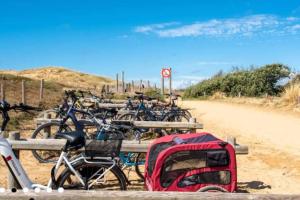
x=140 y=124
x=111 y=105
x=128 y=195
x=57 y=144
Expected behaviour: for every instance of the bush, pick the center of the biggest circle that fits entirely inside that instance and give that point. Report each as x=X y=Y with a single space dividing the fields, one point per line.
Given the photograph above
x=250 y=82
x=154 y=93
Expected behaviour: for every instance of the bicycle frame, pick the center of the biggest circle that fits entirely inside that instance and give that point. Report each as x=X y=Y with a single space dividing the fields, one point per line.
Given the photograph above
x=18 y=172
x=15 y=166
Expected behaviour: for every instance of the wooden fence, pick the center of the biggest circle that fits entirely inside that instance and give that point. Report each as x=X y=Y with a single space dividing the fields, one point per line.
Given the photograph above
x=23 y=90
x=128 y=195
x=192 y=125
x=57 y=144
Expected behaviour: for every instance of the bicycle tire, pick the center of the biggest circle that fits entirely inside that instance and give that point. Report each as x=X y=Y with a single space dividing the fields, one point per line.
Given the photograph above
x=212 y=188
x=175 y=117
x=130 y=117
x=85 y=169
x=37 y=153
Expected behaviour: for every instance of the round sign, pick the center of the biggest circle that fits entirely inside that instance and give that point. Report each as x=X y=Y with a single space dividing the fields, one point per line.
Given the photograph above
x=166 y=72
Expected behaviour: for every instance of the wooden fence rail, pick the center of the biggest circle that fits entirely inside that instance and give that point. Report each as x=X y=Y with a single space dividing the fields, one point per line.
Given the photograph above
x=139 y=124
x=145 y=195
x=57 y=144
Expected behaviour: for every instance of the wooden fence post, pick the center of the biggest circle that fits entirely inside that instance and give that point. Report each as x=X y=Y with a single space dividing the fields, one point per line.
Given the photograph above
x=239 y=94
x=123 y=82
x=42 y=90
x=148 y=84
x=193 y=120
x=117 y=83
x=141 y=82
x=23 y=92
x=231 y=140
x=11 y=182
x=47 y=129
x=3 y=91
x=107 y=89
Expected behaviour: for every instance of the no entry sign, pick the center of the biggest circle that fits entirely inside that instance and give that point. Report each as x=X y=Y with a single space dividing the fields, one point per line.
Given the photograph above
x=166 y=72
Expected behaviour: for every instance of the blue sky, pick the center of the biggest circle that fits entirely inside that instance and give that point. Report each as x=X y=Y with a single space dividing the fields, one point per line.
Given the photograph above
x=196 y=38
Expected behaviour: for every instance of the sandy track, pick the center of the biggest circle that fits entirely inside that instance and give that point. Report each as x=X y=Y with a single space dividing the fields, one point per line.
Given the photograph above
x=273 y=164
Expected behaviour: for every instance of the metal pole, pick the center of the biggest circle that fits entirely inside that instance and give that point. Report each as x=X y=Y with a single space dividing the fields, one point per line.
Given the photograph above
x=162 y=86
x=170 y=81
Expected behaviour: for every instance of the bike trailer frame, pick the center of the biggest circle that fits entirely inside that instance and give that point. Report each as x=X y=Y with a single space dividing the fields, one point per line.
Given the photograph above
x=189 y=162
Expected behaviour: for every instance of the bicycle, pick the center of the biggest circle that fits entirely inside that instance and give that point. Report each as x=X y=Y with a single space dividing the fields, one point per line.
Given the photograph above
x=143 y=113
x=67 y=111
x=115 y=128
x=90 y=169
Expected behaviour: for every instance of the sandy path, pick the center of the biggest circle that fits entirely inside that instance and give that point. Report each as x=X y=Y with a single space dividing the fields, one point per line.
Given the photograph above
x=273 y=164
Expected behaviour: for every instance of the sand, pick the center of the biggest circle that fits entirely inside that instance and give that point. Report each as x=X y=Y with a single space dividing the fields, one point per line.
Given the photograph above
x=273 y=163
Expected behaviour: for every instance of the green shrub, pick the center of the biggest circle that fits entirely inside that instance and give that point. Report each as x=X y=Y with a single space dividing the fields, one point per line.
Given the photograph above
x=250 y=82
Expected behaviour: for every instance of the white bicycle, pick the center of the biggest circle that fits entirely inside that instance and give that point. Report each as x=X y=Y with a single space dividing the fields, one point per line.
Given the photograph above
x=92 y=170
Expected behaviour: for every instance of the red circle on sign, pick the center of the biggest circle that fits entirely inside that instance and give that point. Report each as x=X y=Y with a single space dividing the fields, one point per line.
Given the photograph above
x=166 y=73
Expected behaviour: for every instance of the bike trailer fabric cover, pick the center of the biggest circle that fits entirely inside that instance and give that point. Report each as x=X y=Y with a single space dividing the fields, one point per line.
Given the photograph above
x=188 y=162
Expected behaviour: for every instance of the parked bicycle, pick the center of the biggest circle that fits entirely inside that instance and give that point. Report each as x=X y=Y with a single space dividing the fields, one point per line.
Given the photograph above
x=89 y=170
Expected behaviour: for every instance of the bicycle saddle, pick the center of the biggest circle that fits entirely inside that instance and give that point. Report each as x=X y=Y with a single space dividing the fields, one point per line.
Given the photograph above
x=75 y=139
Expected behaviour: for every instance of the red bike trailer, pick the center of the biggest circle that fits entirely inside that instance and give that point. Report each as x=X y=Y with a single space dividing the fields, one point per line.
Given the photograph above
x=190 y=162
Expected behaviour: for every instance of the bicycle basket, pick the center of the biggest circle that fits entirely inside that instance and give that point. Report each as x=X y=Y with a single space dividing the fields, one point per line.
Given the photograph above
x=103 y=148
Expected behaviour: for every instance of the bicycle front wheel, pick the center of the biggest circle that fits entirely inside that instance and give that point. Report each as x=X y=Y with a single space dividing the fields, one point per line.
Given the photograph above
x=96 y=176
x=48 y=131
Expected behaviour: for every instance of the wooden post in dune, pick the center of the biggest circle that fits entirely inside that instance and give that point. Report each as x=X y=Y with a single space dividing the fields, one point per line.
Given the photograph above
x=123 y=82
x=42 y=90
x=162 y=86
x=132 y=86
x=2 y=87
x=107 y=88
x=23 y=92
x=148 y=84
x=141 y=85
x=117 y=83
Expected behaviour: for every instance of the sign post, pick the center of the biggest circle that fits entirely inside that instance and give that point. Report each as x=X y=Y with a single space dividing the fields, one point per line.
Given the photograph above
x=166 y=73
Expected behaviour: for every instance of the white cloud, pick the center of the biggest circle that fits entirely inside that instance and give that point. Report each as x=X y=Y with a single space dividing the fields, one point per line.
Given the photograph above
x=245 y=26
x=185 y=81
x=152 y=27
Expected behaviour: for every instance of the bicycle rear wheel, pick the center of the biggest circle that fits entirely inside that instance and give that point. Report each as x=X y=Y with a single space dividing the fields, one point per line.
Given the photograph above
x=176 y=117
x=96 y=177
x=140 y=160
